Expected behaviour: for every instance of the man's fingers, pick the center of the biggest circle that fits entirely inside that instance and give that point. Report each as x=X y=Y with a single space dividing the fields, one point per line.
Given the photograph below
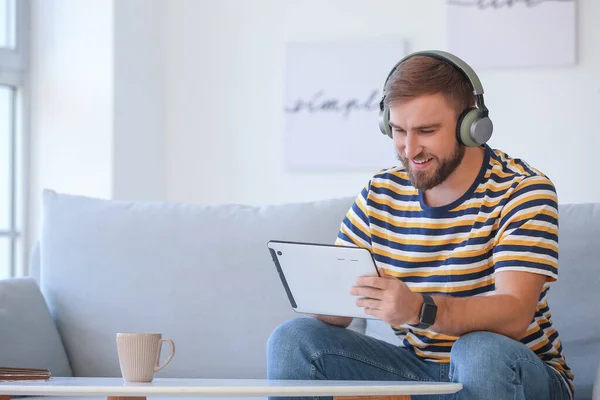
x=374 y=312
x=364 y=291
x=372 y=281
x=372 y=304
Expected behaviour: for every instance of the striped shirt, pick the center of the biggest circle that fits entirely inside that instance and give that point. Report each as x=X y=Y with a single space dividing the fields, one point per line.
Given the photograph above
x=506 y=221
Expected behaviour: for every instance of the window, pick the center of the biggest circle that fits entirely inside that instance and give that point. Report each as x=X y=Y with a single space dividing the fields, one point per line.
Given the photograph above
x=7 y=19
x=13 y=26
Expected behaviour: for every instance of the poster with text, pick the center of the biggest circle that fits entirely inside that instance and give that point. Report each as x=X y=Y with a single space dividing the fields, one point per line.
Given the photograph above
x=331 y=104
x=513 y=33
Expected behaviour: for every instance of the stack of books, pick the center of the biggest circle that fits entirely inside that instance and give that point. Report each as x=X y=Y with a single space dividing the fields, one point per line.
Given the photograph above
x=23 y=374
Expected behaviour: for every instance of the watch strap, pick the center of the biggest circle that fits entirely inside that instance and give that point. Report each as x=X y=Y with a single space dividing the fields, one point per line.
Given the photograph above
x=427 y=302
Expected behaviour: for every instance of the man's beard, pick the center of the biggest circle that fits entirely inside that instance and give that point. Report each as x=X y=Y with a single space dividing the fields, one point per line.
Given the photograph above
x=425 y=180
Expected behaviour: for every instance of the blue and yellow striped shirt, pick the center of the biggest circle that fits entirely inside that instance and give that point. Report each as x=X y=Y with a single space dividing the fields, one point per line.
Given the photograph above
x=507 y=220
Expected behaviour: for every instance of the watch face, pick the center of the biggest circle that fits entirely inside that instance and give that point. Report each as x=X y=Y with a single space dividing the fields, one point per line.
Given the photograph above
x=429 y=313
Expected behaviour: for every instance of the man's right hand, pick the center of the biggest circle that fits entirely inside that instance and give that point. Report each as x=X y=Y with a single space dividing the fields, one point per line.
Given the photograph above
x=334 y=320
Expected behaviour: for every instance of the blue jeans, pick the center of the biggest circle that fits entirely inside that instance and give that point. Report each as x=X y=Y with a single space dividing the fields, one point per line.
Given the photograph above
x=490 y=366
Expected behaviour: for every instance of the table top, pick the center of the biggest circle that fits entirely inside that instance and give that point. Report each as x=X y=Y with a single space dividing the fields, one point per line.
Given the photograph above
x=220 y=387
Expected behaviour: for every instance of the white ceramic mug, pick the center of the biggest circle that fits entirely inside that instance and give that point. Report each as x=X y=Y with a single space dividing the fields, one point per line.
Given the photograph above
x=139 y=354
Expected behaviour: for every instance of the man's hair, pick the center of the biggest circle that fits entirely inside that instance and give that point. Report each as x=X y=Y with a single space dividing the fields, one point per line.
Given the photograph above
x=422 y=75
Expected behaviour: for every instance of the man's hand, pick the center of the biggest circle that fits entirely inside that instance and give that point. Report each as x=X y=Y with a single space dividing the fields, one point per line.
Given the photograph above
x=388 y=299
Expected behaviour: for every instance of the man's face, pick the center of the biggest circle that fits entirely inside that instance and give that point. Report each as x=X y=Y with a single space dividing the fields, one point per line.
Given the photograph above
x=424 y=132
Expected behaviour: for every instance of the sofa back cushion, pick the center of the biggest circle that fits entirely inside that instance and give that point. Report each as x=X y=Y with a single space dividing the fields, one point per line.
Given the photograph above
x=200 y=275
x=575 y=297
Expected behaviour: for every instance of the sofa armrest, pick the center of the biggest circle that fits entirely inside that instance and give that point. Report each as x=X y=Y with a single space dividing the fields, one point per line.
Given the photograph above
x=34 y=270
x=29 y=335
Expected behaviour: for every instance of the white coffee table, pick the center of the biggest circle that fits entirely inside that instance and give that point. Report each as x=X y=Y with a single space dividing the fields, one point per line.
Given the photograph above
x=116 y=388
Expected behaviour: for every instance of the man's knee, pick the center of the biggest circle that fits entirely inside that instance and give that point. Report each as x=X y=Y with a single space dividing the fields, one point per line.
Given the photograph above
x=294 y=333
x=490 y=365
x=291 y=345
x=479 y=352
x=475 y=344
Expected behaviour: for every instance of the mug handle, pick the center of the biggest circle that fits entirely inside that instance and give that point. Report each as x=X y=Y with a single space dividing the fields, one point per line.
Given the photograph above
x=159 y=367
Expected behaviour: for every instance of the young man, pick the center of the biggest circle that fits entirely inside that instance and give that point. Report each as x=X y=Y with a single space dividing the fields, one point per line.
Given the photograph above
x=467 y=240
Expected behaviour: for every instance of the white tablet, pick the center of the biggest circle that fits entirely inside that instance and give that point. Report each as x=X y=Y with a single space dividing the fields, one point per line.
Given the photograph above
x=317 y=277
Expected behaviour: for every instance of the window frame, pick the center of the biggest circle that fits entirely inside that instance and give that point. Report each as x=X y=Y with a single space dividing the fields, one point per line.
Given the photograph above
x=13 y=74
x=13 y=61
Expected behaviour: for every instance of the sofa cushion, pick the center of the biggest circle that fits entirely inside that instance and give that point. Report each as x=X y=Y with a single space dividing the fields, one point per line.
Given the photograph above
x=200 y=275
x=28 y=335
x=574 y=298
x=381 y=330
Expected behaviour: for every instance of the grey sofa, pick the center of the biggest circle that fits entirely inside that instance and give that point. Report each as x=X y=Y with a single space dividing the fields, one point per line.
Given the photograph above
x=202 y=276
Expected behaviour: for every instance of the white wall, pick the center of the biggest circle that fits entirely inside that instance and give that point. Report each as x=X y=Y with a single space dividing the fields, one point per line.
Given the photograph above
x=72 y=95
x=97 y=100
x=71 y=100
x=139 y=100
x=224 y=75
x=225 y=91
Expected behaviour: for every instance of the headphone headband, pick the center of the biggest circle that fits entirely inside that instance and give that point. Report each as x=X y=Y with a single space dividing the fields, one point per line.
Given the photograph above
x=452 y=60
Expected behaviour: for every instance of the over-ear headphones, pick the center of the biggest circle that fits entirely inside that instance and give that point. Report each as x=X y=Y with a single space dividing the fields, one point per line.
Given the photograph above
x=473 y=127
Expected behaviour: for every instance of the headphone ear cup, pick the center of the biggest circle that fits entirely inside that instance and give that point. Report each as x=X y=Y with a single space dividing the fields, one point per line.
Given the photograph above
x=384 y=122
x=459 y=123
x=470 y=122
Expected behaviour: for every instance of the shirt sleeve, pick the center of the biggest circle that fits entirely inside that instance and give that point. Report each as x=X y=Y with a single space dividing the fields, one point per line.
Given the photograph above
x=355 y=230
x=527 y=237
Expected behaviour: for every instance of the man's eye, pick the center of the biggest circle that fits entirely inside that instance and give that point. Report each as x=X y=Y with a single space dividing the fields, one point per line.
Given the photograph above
x=427 y=132
x=399 y=130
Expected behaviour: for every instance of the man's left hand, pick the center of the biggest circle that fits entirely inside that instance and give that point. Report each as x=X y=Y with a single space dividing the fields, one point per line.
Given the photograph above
x=388 y=299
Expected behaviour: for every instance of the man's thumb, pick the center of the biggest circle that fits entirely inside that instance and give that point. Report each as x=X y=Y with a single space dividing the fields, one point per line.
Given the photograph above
x=383 y=273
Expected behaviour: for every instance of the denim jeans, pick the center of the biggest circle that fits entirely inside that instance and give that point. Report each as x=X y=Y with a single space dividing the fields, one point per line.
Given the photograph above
x=490 y=366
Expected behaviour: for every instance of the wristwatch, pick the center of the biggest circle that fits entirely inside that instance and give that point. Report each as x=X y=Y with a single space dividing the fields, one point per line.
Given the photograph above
x=428 y=312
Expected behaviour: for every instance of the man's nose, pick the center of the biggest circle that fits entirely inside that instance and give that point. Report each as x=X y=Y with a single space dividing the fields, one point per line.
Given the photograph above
x=412 y=145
